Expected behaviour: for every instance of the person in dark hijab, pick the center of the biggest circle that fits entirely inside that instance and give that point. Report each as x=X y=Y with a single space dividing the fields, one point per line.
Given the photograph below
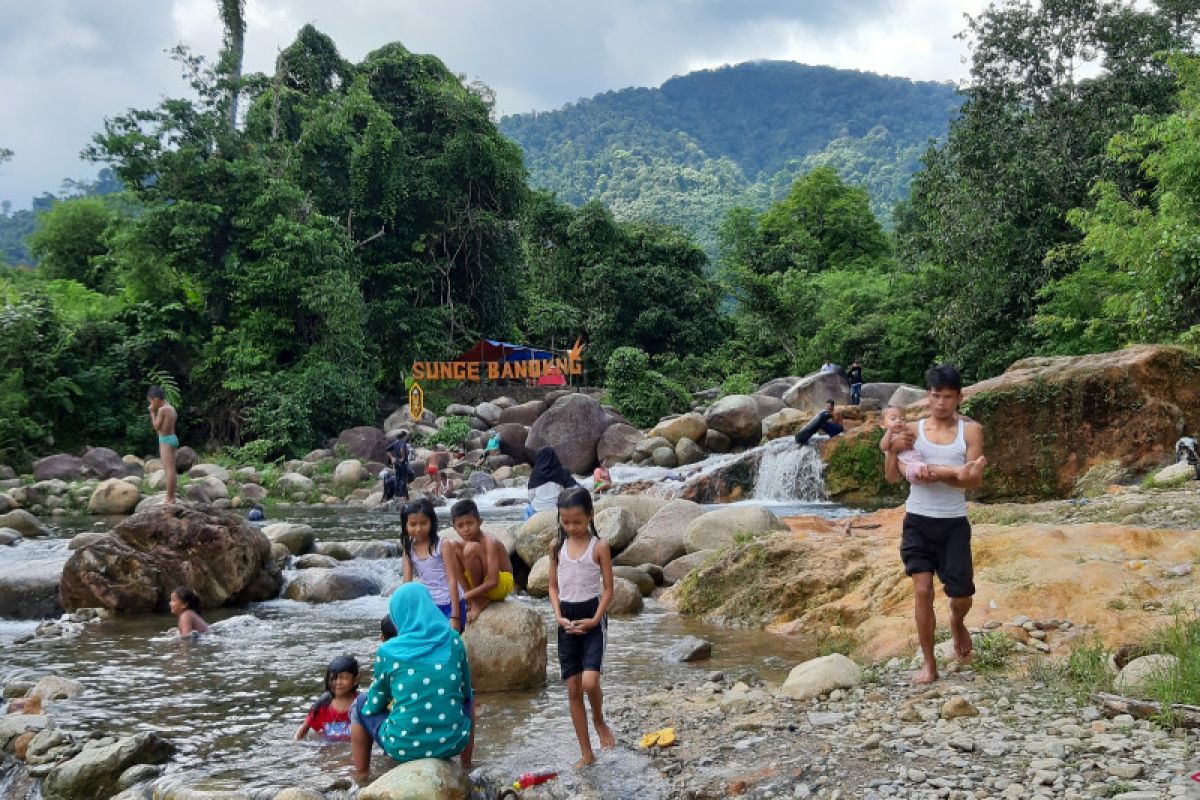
x=547 y=481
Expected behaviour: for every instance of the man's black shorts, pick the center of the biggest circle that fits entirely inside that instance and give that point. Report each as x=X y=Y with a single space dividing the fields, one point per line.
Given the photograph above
x=581 y=652
x=941 y=546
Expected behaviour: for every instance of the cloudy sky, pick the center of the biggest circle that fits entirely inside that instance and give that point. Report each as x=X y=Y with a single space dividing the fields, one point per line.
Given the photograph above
x=66 y=64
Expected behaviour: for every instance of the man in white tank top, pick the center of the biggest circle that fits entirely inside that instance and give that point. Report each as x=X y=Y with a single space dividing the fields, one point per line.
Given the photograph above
x=936 y=538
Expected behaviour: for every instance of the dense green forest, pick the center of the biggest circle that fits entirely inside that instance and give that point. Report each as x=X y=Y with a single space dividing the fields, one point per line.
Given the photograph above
x=688 y=151
x=284 y=245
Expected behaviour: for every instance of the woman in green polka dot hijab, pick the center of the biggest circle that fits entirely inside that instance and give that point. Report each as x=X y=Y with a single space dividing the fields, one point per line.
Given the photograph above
x=420 y=701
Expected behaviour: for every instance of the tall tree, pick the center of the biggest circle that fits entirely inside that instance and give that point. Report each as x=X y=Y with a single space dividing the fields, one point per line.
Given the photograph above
x=233 y=19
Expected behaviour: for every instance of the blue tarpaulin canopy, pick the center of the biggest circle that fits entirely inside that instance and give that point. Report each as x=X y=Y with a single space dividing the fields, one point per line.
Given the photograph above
x=492 y=350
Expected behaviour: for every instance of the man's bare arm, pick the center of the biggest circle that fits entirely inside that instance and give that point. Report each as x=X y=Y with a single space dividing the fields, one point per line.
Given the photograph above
x=973 y=434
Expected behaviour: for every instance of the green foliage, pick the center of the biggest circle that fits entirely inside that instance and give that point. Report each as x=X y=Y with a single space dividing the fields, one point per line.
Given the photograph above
x=452 y=434
x=738 y=383
x=992 y=650
x=687 y=152
x=992 y=202
x=1180 y=684
x=642 y=395
x=69 y=241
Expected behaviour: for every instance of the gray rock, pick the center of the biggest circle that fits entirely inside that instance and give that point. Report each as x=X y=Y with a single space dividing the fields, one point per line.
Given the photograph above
x=719 y=528
x=638 y=577
x=811 y=391
x=292 y=483
x=677 y=569
x=329 y=586
x=1176 y=473
x=185 y=459
x=64 y=467
x=490 y=413
x=617 y=443
x=210 y=471
x=538 y=582
x=533 y=540
x=95 y=771
x=688 y=649
x=664 y=457
x=13 y=725
x=297 y=538
x=29 y=589
x=643 y=507
x=506 y=648
x=738 y=417
x=572 y=426
x=349 y=473
x=688 y=452
x=25 y=523
x=906 y=396
x=365 y=442
x=481 y=482
x=616 y=526
x=424 y=779
x=660 y=540
x=626 y=597
x=717 y=442
x=777 y=387
x=820 y=676
x=9 y=536
x=315 y=561
x=1135 y=677
x=524 y=414
x=459 y=410
x=105 y=463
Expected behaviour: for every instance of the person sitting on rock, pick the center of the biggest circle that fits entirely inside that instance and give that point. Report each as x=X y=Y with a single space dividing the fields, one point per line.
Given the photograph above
x=601 y=479
x=420 y=703
x=330 y=715
x=547 y=481
x=915 y=470
x=828 y=421
x=492 y=448
x=185 y=604
x=483 y=561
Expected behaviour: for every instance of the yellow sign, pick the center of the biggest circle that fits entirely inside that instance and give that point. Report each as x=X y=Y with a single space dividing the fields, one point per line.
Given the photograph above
x=476 y=371
x=416 y=402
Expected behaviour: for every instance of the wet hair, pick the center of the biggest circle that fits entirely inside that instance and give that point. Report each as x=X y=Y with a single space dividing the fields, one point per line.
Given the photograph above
x=156 y=393
x=464 y=508
x=944 y=376
x=830 y=402
x=575 y=497
x=387 y=628
x=336 y=667
x=188 y=598
x=422 y=506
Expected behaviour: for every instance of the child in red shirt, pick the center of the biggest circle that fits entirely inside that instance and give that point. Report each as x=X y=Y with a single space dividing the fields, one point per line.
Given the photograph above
x=330 y=715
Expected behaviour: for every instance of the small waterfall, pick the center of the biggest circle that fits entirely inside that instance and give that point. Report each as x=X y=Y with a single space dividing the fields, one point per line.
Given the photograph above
x=788 y=472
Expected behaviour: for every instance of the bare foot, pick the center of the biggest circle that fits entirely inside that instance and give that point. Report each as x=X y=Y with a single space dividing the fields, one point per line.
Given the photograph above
x=926 y=674
x=963 y=646
x=607 y=739
x=587 y=760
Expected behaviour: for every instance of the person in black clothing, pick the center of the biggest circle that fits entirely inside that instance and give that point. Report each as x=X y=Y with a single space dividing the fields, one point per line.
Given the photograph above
x=396 y=478
x=828 y=421
x=855 y=376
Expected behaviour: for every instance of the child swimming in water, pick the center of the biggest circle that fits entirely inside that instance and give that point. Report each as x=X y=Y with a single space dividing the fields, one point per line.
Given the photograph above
x=916 y=470
x=185 y=604
x=330 y=715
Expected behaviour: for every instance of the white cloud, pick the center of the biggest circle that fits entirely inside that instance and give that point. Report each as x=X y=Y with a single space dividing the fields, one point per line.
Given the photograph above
x=68 y=64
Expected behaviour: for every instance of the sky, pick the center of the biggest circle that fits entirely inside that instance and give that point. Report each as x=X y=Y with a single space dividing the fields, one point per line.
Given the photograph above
x=67 y=64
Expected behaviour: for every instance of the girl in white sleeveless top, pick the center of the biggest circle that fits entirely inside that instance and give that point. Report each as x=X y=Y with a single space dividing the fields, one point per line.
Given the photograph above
x=581 y=588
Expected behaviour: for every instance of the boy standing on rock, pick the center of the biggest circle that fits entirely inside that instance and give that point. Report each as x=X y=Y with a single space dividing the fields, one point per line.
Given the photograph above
x=162 y=417
x=936 y=536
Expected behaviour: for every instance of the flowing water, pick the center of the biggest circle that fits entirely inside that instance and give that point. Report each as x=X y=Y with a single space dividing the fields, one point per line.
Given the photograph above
x=232 y=700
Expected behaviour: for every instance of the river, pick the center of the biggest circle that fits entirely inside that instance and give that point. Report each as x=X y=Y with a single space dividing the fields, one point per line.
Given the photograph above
x=232 y=701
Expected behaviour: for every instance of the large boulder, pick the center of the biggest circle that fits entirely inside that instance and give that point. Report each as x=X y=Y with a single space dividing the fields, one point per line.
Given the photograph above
x=639 y=577
x=24 y=523
x=212 y=487
x=523 y=414
x=149 y=555
x=881 y=392
x=812 y=391
x=297 y=538
x=185 y=458
x=29 y=589
x=660 y=540
x=784 y=423
x=1138 y=676
x=627 y=598
x=506 y=647
x=767 y=405
x=114 y=496
x=94 y=772
x=717 y=529
x=676 y=571
x=538 y=582
x=349 y=473
x=688 y=452
x=423 y=779
x=401 y=419
x=642 y=506
x=319 y=585
x=572 y=426
x=366 y=443
x=105 y=463
x=617 y=443
x=777 y=387
x=292 y=483
x=691 y=426
x=1046 y=421
x=616 y=526
x=738 y=417
x=459 y=410
x=512 y=441
x=821 y=676
x=63 y=467
x=533 y=540
x=907 y=395
x=490 y=413
x=210 y=471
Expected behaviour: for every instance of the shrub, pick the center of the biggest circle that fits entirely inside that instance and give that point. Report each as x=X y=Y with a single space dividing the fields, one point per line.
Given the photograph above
x=642 y=395
x=453 y=433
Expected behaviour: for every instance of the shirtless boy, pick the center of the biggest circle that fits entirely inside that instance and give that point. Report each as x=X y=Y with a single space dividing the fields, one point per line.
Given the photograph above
x=936 y=536
x=486 y=567
x=162 y=417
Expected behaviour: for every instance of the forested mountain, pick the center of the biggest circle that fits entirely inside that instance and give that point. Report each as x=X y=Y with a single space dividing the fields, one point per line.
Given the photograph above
x=701 y=143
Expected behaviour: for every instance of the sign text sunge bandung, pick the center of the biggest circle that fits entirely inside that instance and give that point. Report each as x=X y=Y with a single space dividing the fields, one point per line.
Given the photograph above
x=476 y=371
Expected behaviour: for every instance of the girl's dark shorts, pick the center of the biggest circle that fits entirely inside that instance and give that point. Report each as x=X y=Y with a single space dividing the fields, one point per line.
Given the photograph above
x=941 y=546
x=581 y=652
